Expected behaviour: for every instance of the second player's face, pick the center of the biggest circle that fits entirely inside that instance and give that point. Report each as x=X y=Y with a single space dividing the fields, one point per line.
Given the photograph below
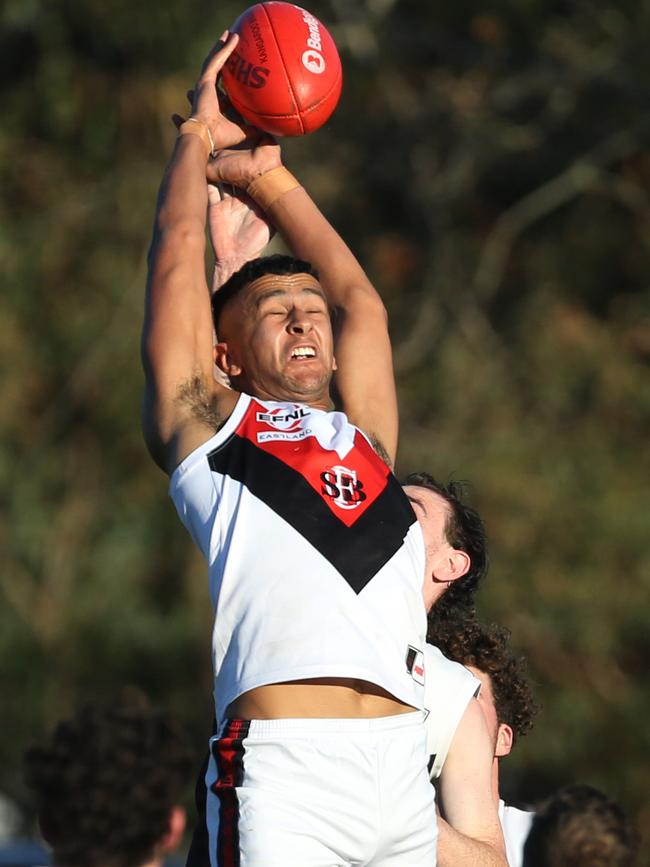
x=281 y=341
x=486 y=701
x=500 y=733
x=432 y=512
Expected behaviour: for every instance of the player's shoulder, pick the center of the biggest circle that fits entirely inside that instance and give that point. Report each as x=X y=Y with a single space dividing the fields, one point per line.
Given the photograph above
x=448 y=690
x=445 y=671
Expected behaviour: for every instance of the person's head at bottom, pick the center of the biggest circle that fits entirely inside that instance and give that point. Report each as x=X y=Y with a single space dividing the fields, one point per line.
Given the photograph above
x=108 y=784
x=580 y=826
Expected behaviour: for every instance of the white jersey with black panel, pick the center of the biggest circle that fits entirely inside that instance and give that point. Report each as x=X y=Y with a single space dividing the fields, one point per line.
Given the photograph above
x=448 y=689
x=315 y=557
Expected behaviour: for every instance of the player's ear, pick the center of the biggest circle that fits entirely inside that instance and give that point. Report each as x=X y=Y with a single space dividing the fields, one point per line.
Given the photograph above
x=455 y=564
x=505 y=738
x=175 y=830
x=224 y=360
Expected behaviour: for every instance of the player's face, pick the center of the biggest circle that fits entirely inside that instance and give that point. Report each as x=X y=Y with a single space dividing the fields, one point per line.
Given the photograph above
x=486 y=701
x=279 y=337
x=432 y=512
x=500 y=733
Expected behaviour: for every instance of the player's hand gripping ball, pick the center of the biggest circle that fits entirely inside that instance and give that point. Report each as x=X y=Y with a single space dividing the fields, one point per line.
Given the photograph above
x=285 y=75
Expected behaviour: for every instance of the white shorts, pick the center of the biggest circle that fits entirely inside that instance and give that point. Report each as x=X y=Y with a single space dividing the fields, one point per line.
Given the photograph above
x=321 y=793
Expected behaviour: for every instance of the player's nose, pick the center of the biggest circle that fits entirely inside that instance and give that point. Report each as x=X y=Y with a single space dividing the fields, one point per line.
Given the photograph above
x=299 y=324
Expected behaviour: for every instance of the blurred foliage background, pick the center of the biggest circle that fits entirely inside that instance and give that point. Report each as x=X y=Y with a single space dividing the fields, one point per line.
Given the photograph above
x=490 y=165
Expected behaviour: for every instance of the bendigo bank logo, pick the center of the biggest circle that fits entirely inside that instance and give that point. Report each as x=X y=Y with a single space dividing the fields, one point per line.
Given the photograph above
x=343 y=486
x=313 y=61
x=312 y=58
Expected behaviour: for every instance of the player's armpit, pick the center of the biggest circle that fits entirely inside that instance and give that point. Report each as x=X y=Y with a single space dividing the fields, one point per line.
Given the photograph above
x=381 y=451
x=173 y=429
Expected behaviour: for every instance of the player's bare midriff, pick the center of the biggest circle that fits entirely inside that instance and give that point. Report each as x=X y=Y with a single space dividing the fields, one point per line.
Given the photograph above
x=317 y=698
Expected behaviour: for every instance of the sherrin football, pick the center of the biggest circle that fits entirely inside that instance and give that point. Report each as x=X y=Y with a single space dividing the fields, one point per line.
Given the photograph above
x=284 y=77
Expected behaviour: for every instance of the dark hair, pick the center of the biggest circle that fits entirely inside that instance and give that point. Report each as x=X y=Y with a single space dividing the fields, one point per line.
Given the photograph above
x=465 y=532
x=581 y=827
x=276 y=264
x=486 y=648
x=106 y=782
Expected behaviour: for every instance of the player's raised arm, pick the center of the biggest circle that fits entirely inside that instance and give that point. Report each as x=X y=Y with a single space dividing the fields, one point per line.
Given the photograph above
x=363 y=353
x=182 y=400
x=472 y=833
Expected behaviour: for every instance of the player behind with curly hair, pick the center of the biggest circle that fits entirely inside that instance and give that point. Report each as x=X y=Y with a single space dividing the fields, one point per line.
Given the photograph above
x=506 y=699
x=108 y=783
x=580 y=826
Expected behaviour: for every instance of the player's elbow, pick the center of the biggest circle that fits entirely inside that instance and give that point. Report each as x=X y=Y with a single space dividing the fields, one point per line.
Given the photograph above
x=180 y=240
x=494 y=847
x=366 y=305
x=378 y=307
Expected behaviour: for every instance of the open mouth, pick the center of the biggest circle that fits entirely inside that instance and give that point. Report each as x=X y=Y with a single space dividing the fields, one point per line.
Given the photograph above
x=300 y=353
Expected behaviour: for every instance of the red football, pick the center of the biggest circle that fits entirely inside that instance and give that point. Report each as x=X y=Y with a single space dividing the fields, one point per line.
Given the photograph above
x=285 y=75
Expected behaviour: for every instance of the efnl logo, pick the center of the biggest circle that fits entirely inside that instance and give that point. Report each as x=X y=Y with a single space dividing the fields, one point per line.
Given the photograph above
x=287 y=423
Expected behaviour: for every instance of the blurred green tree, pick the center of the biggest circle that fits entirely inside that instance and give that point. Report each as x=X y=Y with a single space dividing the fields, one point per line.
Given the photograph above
x=491 y=166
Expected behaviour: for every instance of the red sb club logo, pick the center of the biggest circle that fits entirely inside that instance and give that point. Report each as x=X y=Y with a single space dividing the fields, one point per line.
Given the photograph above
x=343 y=486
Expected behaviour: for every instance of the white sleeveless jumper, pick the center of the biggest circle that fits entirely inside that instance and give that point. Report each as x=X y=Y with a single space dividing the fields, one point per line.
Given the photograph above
x=315 y=558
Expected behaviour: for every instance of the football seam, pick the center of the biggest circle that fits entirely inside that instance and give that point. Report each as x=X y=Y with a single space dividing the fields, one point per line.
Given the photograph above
x=325 y=96
x=305 y=110
x=296 y=108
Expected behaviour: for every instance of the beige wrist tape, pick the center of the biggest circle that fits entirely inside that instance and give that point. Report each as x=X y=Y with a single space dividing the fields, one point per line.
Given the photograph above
x=270 y=186
x=194 y=126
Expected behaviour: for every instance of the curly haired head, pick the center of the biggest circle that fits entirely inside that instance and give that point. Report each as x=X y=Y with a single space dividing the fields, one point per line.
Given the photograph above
x=107 y=781
x=486 y=648
x=581 y=827
x=465 y=532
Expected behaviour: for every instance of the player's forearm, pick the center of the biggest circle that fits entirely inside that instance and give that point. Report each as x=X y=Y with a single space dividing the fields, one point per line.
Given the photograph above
x=176 y=298
x=183 y=196
x=455 y=850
